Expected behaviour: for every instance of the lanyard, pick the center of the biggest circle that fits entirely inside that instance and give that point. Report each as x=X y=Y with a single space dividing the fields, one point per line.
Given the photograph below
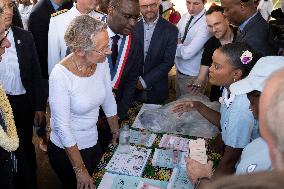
x=196 y=21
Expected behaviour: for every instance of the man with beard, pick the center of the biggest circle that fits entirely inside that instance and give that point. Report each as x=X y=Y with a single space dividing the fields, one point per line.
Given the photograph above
x=159 y=38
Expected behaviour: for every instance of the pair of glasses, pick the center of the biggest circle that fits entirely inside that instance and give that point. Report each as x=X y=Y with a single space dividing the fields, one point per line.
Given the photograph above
x=103 y=52
x=151 y=6
x=2 y=40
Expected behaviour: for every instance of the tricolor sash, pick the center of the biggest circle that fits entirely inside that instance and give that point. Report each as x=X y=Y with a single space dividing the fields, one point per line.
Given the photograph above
x=117 y=70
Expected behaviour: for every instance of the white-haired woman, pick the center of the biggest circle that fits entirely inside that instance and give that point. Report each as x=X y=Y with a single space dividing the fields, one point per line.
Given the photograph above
x=78 y=86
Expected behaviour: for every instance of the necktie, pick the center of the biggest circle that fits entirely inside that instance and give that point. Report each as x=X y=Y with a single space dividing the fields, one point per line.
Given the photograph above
x=114 y=48
x=186 y=28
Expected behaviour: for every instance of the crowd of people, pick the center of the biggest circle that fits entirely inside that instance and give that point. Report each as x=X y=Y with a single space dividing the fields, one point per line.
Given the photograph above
x=89 y=60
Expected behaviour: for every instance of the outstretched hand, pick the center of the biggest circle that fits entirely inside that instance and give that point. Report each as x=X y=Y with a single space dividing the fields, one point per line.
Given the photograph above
x=185 y=106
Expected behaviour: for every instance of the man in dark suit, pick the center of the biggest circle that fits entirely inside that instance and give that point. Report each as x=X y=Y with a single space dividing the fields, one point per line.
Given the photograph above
x=253 y=29
x=6 y=171
x=159 y=38
x=21 y=79
x=38 y=24
x=124 y=62
x=127 y=53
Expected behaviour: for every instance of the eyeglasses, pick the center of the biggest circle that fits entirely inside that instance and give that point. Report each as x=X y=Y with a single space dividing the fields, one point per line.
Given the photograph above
x=136 y=18
x=103 y=52
x=2 y=40
x=151 y=6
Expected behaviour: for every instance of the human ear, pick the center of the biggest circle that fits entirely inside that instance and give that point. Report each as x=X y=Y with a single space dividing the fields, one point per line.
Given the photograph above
x=237 y=75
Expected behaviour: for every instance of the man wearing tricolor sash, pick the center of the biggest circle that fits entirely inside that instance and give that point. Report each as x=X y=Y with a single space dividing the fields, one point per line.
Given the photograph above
x=125 y=60
x=127 y=52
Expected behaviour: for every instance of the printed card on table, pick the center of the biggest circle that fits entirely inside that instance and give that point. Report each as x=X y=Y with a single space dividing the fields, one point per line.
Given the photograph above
x=198 y=150
x=115 y=181
x=142 y=138
x=179 y=180
x=137 y=124
x=174 y=142
x=169 y=158
x=144 y=185
x=132 y=163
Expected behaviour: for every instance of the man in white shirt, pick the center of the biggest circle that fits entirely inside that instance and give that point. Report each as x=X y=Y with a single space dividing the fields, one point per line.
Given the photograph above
x=20 y=77
x=193 y=34
x=58 y=25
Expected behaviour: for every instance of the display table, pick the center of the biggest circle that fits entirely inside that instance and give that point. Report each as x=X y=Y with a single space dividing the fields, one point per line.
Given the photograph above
x=150 y=171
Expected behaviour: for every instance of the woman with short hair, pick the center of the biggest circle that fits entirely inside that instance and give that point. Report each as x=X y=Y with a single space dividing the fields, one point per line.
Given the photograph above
x=78 y=86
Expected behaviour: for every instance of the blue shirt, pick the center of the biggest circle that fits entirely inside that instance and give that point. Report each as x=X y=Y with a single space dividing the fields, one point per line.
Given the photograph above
x=243 y=25
x=237 y=122
x=55 y=6
x=255 y=131
x=255 y=157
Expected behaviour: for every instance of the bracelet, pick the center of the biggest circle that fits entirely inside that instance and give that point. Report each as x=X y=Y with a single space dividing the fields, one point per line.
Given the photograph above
x=199 y=181
x=78 y=170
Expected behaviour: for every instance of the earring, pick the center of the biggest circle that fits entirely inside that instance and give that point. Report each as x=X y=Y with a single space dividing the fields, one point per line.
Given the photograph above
x=234 y=80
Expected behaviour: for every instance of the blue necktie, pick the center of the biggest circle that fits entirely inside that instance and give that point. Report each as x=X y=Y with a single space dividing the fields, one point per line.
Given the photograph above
x=114 y=49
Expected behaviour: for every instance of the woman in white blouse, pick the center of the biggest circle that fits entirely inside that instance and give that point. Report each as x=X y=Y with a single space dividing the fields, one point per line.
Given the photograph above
x=78 y=86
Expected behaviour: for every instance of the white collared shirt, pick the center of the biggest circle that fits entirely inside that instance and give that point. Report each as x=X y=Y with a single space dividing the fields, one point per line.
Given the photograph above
x=148 y=33
x=25 y=12
x=112 y=34
x=57 y=27
x=188 y=54
x=265 y=8
x=9 y=69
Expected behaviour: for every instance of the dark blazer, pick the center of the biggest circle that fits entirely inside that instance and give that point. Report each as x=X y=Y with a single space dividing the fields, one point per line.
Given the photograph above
x=126 y=88
x=29 y=67
x=159 y=60
x=256 y=34
x=38 y=24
